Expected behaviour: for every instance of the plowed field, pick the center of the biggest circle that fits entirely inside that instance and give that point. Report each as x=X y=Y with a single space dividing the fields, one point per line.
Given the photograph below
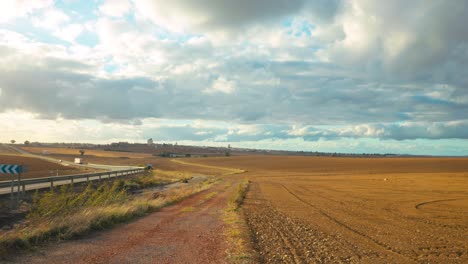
x=356 y=210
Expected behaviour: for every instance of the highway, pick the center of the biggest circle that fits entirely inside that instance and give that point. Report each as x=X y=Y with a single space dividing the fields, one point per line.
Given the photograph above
x=112 y=171
x=68 y=163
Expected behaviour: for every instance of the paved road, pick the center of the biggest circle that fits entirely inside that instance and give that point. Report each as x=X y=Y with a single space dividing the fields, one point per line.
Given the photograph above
x=14 y=149
x=116 y=170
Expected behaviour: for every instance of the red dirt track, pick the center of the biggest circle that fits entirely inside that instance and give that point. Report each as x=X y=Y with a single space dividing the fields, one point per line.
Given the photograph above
x=172 y=235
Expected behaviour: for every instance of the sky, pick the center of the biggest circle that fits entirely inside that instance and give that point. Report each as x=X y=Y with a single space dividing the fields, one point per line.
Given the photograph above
x=354 y=76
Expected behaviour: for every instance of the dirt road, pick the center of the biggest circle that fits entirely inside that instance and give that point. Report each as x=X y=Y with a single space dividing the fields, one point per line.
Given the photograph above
x=188 y=232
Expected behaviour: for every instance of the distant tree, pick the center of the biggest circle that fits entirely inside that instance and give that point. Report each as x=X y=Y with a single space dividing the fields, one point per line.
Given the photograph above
x=82 y=152
x=188 y=155
x=27 y=142
x=229 y=146
x=13 y=141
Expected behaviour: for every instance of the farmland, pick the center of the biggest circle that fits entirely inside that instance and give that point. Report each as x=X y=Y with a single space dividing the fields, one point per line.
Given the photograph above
x=162 y=165
x=37 y=167
x=315 y=209
x=162 y=234
x=310 y=209
x=74 y=152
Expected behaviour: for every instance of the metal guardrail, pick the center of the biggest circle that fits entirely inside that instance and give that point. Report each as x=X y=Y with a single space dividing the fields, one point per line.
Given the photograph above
x=101 y=175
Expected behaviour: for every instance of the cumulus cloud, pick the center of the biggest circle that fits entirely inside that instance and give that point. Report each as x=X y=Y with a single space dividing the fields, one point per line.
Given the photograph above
x=205 y=15
x=288 y=70
x=395 y=131
x=115 y=8
x=266 y=92
x=417 y=40
x=222 y=85
x=18 y=8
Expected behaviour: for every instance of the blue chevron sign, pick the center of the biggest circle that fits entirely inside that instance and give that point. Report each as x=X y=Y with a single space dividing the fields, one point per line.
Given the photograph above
x=11 y=169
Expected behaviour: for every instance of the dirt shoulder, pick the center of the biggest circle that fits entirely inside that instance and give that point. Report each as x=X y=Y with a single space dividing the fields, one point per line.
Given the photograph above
x=188 y=232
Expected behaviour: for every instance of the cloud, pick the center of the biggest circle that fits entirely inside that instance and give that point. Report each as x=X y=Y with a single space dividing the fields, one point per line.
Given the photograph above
x=391 y=41
x=115 y=8
x=222 y=85
x=394 y=131
x=311 y=70
x=51 y=19
x=265 y=91
x=205 y=15
x=18 y=8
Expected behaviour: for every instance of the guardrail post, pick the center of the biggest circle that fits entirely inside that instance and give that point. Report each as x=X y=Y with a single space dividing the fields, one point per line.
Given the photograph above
x=99 y=177
x=87 y=178
x=71 y=180
x=51 y=184
x=12 y=189
x=19 y=183
x=12 y=198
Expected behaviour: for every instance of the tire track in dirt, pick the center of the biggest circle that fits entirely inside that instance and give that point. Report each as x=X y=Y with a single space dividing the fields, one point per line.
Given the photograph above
x=419 y=205
x=414 y=231
x=331 y=218
x=281 y=239
x=393 y=209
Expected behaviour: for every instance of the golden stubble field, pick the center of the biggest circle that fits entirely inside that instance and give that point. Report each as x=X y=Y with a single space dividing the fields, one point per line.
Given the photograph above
x=72 y=152
x=356 y=210
x=165 y=167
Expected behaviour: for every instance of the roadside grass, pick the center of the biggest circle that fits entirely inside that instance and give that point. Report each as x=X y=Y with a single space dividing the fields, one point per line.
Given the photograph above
x=65 y=214
x=207 y=197
x=172 y=175
x=236 y=200
x=210 y=195
x=188 y=209
x=240 y=249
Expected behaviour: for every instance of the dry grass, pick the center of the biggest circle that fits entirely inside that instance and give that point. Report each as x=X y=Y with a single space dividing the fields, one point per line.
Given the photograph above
x=240 y=250
x=188 y=209
x=59 y=215
x=210 y=195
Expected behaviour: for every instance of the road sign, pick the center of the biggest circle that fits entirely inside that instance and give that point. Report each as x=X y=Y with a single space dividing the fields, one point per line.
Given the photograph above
x=11 y=169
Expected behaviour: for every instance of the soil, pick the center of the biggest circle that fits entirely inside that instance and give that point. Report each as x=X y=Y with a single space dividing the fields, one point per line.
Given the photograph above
x=191 y=231
x=302 y=210
x=355 y=210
